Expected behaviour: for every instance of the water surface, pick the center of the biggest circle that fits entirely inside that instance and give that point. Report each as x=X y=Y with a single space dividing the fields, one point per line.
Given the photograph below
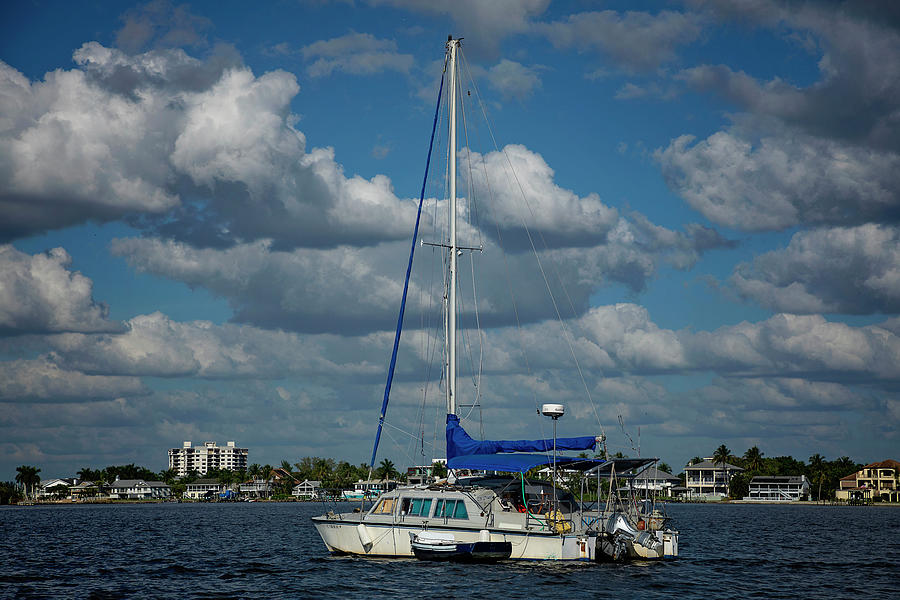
x=260 y=550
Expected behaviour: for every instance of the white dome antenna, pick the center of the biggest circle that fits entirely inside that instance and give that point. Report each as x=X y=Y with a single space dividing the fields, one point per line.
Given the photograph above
x=554 y=411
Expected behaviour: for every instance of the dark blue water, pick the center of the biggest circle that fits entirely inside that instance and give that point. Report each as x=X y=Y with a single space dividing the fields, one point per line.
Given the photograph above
x=272 y=551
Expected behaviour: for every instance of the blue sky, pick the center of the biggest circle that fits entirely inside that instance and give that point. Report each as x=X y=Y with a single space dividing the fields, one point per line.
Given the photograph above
x=207 y=209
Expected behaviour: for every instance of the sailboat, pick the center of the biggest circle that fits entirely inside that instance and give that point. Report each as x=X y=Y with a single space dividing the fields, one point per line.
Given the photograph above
x=499 y=515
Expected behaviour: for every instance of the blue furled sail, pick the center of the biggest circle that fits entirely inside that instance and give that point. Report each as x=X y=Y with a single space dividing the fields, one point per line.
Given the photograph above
x=459 y=443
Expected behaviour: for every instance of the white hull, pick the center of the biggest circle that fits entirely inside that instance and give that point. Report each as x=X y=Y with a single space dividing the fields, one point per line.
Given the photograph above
x=393 y=540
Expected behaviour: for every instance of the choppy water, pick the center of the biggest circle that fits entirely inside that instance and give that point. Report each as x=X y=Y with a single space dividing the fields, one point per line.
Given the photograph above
x=272 y=551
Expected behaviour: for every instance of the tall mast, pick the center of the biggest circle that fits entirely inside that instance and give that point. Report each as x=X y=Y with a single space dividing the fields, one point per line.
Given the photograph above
x=452 y=48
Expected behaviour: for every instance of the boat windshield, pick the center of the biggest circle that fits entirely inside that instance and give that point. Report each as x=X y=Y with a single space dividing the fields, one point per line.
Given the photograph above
x=385 y=507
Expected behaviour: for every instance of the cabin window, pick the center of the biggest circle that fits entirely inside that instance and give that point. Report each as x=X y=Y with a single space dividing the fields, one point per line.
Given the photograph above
x=385 y=507
x=417 y=507
x=454 y=509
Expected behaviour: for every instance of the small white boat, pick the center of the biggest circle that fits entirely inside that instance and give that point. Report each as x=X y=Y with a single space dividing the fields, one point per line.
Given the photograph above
x=437 y=545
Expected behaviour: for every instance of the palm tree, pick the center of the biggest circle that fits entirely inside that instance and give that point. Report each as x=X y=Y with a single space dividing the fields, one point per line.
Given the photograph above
x=845 y=466
x=322 y=468
x=386 y=470
x=817 y=470
x=753 y=459
x=88 y=474
x=438 y=470
x=266 y=475
x=168 y=475
x=28 y=477
x=720 y=457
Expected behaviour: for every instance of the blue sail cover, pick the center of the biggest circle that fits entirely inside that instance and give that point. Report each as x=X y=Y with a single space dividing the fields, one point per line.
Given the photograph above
x=465 y=452
x=520 y=463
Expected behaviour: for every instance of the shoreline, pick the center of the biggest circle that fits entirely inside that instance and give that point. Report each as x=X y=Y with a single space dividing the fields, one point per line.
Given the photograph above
x=288 y=501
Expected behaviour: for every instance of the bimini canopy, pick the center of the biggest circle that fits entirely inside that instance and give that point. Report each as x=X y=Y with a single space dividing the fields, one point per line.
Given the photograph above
x=463 y=452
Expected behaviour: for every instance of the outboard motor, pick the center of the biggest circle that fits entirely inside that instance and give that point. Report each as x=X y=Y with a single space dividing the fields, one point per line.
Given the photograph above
x=617 y=532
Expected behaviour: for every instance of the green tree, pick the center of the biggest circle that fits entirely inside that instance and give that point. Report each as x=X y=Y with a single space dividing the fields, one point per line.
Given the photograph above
x=28 y=477
x=178 y=489
x=9 y=493
x=266 y=473
x=88 y=474
x=439 y=470
x=386 y=470
x=817 y=471
x=739 y=485
x=844 y=466
x=720 y=457
x=240 y=476
x=784 y=465
x=168 y=476
x=753 y=459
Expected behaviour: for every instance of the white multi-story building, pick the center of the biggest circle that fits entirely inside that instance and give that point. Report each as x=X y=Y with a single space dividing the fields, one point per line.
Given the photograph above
x=708 y=480
x=653 y=479
x=138 y=489
x=208 y=456
x=203 y=489
x=778 y=488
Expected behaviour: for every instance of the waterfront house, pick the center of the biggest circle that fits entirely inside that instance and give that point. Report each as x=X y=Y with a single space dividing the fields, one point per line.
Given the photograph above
x=653 y=480
x=257 y=488
x=708 y=481
x=879 y=480
x=58 y=488
x=307 y=490
x=203 y=488
x=778 y=488
x=84 y=490
x=138 y=489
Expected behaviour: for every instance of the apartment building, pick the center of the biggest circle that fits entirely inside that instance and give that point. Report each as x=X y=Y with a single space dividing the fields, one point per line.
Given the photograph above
x=208 y=456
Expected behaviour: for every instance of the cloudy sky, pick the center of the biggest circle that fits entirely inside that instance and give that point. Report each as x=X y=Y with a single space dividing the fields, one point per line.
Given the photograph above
x=207 y=209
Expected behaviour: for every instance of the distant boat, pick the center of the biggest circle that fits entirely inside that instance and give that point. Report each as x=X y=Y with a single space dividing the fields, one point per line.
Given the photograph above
x=494 y=518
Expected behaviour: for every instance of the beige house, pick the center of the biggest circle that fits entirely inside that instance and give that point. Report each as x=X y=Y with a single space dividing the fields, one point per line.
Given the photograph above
x=877 y=480
x=707 y=480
